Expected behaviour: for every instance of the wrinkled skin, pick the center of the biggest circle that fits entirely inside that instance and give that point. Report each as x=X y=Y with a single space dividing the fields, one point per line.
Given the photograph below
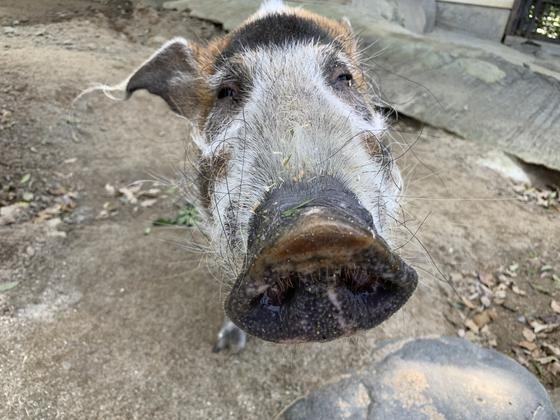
x=295 y=181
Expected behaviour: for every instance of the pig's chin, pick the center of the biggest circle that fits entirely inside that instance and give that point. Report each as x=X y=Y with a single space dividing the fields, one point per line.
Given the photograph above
x=314 y=285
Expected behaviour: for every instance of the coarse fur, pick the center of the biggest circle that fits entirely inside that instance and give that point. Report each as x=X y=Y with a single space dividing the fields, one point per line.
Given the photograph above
x=280 y=99
x=292 y=128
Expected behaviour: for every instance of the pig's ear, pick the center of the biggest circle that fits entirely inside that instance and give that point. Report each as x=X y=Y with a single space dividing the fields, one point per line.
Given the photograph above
x=172 y=73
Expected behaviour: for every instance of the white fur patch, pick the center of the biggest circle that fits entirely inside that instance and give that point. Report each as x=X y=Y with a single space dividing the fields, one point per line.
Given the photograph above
x=294 y=126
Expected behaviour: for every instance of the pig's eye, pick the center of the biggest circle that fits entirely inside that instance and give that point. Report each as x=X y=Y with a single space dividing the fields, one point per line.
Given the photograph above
x=343 y=80
x=227 y=92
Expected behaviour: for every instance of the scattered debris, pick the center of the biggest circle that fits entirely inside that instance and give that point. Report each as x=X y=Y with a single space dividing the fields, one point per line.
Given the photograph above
x=130 y=195
x=543 y=197
x=489 y=296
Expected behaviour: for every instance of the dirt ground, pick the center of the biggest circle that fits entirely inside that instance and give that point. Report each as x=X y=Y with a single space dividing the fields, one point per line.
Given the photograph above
x=102 y=315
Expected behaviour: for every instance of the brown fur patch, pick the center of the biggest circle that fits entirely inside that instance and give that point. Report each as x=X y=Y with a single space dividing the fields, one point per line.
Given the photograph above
x=212 y=169
x=372 y=146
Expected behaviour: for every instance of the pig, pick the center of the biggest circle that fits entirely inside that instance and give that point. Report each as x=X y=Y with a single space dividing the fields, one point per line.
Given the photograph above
x=295 y=183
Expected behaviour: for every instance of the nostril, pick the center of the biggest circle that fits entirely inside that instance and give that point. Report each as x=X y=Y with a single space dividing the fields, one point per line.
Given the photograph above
x=279 y=293
x=284 y=289
x=357 y=280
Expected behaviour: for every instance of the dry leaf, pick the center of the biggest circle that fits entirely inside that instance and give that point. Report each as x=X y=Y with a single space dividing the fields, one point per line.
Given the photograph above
x=500 y=296
x=537 y=326
x=529 y=335
x=487 y=279
x=503 y=279
x=553 y=350
x=110 y=190
x=546 y=360
x=482 y=319
x=469 y=323
x=527 y=345
x=554 y=368
x=468 y=303
x=129 y=195
x=485 y=300
x=103 y=214
x=109 y=206
x=518 y=291
x=148 y=203
x=523 y=361
x=151 y=193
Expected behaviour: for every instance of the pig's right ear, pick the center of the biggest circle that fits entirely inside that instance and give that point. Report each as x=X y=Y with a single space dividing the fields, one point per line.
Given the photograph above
x=173 y=73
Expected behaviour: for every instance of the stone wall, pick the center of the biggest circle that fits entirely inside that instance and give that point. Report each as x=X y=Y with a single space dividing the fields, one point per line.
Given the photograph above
x=482 y=21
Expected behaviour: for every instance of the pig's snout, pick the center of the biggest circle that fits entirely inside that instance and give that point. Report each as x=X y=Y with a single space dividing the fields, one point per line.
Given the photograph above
x=316 y=269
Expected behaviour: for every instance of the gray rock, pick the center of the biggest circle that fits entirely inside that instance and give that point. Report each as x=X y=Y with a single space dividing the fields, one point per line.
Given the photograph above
x=436 y=378
x=416 y=16
x=484 y=22
x=482 y=92
x=10 y=214
x=347 y=399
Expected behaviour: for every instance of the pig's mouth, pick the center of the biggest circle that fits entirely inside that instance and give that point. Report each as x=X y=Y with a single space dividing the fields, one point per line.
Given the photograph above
x=329 y=275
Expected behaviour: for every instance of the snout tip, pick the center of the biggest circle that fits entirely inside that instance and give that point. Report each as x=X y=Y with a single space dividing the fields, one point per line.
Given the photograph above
x=317 y=239
x=324 y=277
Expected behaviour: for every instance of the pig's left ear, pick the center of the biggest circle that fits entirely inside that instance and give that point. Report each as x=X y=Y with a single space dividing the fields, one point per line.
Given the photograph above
x=172 y=73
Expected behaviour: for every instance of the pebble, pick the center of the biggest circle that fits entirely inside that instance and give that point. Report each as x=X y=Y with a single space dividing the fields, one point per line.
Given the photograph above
x=57 y=234
x=27 y=196
x=9 y=214
x=54 y=223
x=30 y=251
x=482 y=319
x=9 y=30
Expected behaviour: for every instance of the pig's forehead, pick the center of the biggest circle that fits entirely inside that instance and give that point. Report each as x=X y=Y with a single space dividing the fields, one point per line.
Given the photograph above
x=277 y=30
x=281 y=30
